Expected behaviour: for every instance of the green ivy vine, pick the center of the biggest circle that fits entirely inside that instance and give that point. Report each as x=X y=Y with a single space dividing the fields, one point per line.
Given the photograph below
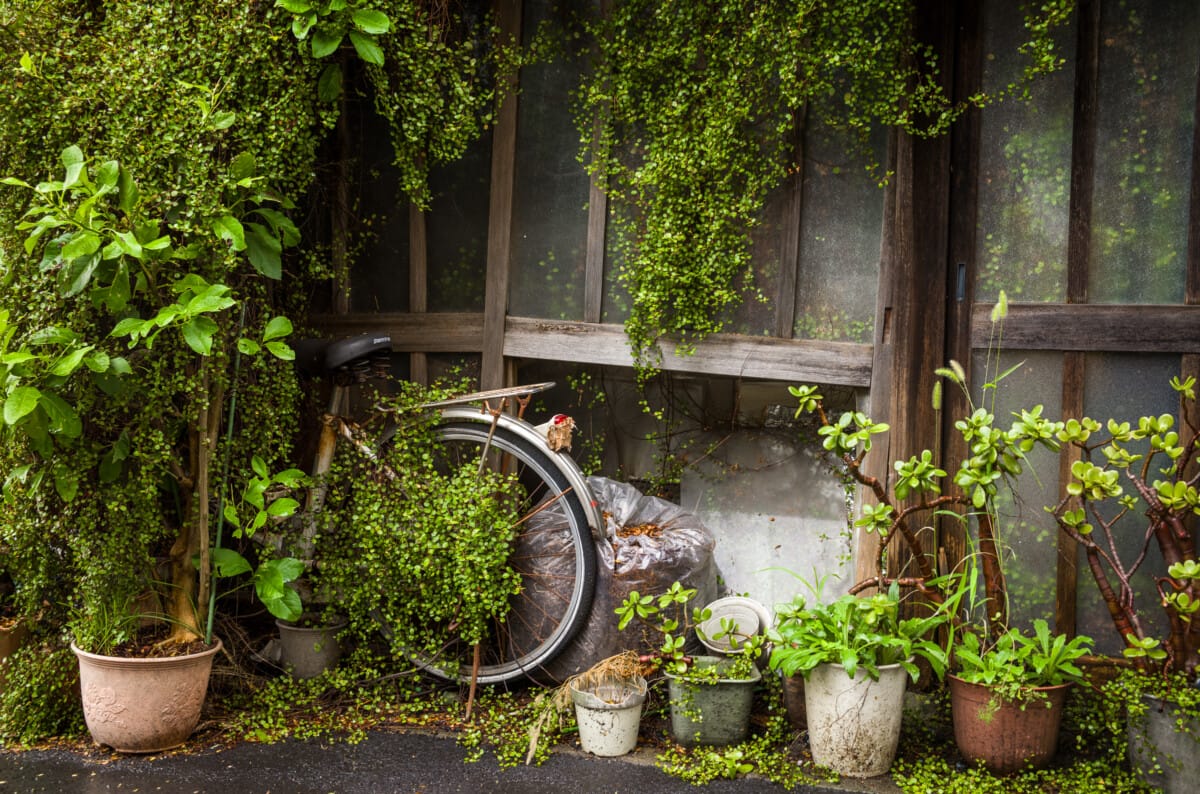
x=690 y=113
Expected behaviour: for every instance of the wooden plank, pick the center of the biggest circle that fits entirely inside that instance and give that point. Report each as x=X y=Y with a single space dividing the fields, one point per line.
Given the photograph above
x=435 y=332
x=500 y=211
x=919 y=280
x=1083 y=151
x=732 y=355
x=1126 y=328
x=789 y=249
x=952 y=539
x=1193 y=250
x=418 y=283
x=1067 y=567
x=593 y=268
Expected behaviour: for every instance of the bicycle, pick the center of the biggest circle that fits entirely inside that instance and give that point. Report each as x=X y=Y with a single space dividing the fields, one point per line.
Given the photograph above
x=556 y=560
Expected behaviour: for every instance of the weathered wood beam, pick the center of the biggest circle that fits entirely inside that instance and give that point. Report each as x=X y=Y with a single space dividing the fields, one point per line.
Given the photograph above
x=732 y=355
x=1092 y=328
x=433 y=332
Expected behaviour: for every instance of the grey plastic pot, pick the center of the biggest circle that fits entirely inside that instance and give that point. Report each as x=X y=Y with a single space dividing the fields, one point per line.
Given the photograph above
x=1164 y=747
x=306 y=651
x=711 y=713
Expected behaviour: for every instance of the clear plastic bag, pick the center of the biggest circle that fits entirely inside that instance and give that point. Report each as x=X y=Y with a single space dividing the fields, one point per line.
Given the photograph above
x=648 y=543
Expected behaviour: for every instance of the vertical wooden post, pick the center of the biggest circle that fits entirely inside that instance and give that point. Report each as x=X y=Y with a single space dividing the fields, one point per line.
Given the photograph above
x=500 y=213
x=910 y=341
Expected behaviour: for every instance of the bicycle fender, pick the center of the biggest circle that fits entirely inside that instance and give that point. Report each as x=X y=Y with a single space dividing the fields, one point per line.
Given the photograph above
x=563 y=462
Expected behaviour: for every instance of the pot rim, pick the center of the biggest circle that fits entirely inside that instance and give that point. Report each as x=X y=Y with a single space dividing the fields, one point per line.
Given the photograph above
x=135 y=660
x=1048 y=688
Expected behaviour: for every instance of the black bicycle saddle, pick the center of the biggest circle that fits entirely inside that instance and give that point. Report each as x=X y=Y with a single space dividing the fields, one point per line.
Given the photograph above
x=316 y=357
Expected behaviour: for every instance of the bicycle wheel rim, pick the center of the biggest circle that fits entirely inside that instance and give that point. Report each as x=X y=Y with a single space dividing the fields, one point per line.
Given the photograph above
x=553 y=553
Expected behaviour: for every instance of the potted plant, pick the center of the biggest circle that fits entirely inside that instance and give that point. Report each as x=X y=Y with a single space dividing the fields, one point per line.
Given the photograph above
x=308 y=638
x=1134 y=481
x=116 y=394
x=710 y=696
x=1007 y=696
x=856 y=655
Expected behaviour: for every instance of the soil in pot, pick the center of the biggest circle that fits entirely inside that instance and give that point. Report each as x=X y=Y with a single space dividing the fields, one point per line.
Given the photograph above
x=1006 y=736
x=141 y=704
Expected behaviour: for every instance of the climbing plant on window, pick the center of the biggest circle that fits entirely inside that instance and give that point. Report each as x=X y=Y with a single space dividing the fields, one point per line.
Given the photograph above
x=690 y=111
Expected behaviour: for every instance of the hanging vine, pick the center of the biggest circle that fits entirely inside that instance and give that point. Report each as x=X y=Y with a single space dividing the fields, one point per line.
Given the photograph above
x=690 y=112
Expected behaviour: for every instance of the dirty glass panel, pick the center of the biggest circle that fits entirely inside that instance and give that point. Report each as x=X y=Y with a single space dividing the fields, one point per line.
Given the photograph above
x=1125 y=387
x=1027 y=534
x=1147 y=95
x=754 y=314
x=379 y=275
x=840 y=229
x=1024 y=170
x=456 y=228
x=614 y=307
x=549 y=234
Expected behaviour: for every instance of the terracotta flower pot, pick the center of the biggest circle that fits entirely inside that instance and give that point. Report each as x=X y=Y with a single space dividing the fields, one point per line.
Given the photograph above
x=1005 y=737
x=141 y=705
x=11 y=638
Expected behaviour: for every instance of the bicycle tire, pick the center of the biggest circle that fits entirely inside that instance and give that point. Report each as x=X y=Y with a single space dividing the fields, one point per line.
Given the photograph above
x=553 y=552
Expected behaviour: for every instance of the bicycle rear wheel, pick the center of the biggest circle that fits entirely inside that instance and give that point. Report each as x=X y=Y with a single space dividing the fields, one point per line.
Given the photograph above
x=553 y=553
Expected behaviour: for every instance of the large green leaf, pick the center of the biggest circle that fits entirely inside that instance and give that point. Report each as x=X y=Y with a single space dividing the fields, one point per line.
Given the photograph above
x=64 y=420
x=367 y=48
x=20 y=403
x=227 y=562
x=325 y=42
x=329 y=86
x=198 y=333
x=368 y=20
x=263 y=250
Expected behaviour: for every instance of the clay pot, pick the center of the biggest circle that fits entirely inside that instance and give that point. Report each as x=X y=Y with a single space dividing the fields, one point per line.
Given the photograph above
x=143 y=705
x=1004 y=736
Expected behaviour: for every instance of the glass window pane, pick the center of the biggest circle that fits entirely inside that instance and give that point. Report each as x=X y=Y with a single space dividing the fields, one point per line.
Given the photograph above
x=1024 y=170
x=1027 y=534
x=1147 y=95
x=1109 y=394
x=840 y=230
x=379 y=276
x=551 y=191
x=456 y=230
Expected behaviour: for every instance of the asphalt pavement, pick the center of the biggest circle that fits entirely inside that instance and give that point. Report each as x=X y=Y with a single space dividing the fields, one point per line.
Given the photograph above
x=402 y=762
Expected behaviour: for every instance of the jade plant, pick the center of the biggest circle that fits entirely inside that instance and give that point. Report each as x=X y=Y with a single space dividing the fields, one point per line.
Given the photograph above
x=1137 y=480
x=666 y=614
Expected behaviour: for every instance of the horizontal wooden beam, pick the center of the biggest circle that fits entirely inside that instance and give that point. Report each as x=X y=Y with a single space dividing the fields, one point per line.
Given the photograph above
x=1097 y=328
x=731 y=355
x=432 y=332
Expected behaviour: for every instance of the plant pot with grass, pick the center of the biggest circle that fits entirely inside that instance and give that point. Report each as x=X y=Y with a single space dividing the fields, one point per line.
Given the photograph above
x=856 y=656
